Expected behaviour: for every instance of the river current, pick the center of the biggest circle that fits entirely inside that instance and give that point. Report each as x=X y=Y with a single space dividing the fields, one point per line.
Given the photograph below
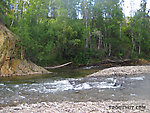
x=71 y=85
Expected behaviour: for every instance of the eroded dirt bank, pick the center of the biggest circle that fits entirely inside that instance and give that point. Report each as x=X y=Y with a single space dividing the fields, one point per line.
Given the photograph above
x=12 y=60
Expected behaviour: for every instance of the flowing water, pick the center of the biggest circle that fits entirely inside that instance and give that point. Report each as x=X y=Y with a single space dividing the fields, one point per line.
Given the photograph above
x=69 y=84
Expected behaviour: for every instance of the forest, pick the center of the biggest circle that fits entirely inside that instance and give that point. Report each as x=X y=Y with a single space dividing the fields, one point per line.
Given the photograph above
x=81 y=31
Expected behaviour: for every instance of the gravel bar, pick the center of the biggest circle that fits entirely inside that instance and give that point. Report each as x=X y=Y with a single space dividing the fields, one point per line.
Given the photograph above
x=123 y=70
x=81 y=107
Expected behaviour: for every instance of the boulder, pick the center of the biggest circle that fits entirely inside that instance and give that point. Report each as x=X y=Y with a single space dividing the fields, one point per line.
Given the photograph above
x=11 y=57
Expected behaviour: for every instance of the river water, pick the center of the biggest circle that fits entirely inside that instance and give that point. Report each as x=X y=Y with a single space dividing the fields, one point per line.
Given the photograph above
x=69 y=84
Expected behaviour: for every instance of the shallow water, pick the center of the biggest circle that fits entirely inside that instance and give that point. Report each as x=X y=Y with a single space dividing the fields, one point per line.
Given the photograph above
x=69 y=84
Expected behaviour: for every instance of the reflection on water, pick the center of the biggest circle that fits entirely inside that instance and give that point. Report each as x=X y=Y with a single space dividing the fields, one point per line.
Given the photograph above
x=65 y=85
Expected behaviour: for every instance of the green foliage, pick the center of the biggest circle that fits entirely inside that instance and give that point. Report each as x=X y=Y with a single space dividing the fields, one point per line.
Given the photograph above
x=51 y=32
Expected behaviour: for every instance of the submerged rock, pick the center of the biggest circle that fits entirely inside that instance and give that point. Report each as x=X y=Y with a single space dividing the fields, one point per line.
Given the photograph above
x=11 y=59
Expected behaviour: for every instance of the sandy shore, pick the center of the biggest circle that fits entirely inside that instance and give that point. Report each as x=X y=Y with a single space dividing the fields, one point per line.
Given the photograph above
x=123 y=70
x=81 y=107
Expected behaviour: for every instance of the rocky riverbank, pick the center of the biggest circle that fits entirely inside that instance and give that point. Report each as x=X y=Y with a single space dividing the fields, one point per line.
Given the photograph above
x=122 y=71
x=81 y=107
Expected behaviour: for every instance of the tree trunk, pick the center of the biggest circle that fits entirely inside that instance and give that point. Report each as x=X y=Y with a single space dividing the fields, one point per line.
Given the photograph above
x=85 y=19
x=99 y=42
x=133 y=45
x=109 y=49
x=90 y=43
x=139 y=50
x=120 y=29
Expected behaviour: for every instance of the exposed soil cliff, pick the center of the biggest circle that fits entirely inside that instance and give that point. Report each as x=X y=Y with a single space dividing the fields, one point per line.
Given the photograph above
x=11 y=58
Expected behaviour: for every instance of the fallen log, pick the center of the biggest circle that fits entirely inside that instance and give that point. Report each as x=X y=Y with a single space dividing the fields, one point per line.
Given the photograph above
x=116 y=62
x=58 y=66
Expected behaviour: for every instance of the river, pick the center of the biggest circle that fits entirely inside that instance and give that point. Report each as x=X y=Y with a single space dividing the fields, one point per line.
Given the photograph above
x=70 y=84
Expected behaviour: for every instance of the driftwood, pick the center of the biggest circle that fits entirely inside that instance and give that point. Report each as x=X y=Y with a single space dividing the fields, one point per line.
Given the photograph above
x=58 y=66
x=108 y=61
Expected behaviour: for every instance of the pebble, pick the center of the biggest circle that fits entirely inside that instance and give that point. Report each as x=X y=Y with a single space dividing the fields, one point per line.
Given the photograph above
x=123 y=70
x=142 y=106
